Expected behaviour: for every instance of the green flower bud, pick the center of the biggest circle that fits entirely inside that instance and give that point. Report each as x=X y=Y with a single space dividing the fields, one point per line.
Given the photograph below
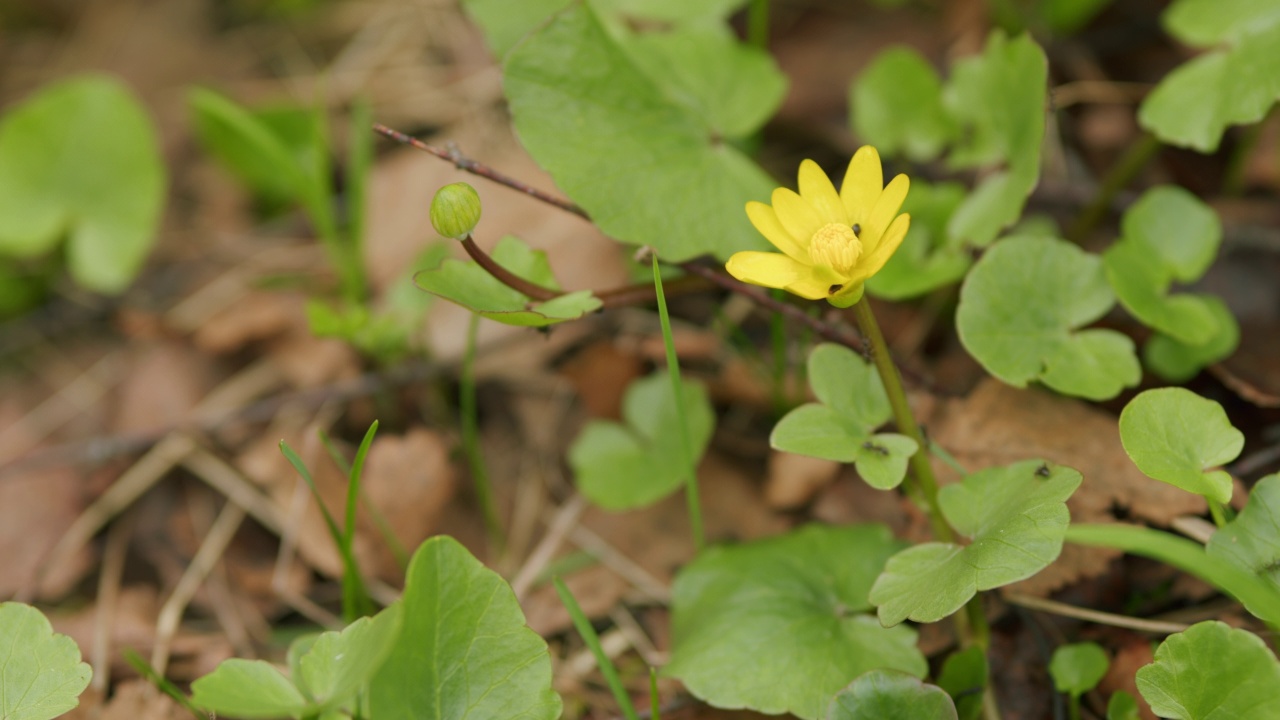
x=455 y=210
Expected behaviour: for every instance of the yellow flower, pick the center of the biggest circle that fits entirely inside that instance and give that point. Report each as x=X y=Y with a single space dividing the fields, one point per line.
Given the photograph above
x=831 y=243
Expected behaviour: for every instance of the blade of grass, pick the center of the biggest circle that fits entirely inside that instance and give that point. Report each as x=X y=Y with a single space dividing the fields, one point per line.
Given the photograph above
x=589 y=636
x=1187 y=556
x=353 y=590
x=673 y=370
x=398 y=550
x=471 y=439
x=148 y=673
x=356 y=599
x=655 y=711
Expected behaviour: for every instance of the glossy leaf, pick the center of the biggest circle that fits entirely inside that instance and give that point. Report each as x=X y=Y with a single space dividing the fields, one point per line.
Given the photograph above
x=888 y=695
x=632 y=464
x=841 y=426
x=620 y=146
x=1178 y=437
x=1019 y=314
x=780 y=625
x=1237 y=84
x=464 y=651
x=1251 y=541
x=1177 y=362
x=998 y=98
x=1016 y=517
x=471 y=286
x=42 y=676
x=896 y=105
x=1078 y=668
x=1168 y=235
x=80 y=160
x=1212 y=671
x=926 y=260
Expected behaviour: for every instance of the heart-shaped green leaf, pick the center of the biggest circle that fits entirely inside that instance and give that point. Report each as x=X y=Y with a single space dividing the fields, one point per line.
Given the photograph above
x=1251 y=541
x=472 y=287
x=1176 y=436
x=1016 y=516
x=998 y=99
x=840 y=427
x=1238 y=84
x=79 y=160
x=964 y=676
x=1123 y=706
x=1177 y=362
x=896 y=105
x=42 y=676
x=926 y=260
x=1168 y=235
x=1212 y=671
x=648 y=168
x=1019 y=311
x=464 y=651
x=780 y=625
x=1078 y=668
x=249 y=689
x=888 y=695
x=620 y=466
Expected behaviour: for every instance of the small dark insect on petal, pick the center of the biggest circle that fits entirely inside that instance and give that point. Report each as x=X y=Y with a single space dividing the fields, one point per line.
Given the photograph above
x=834 y=289
x=1043 y=470
x=857 y=229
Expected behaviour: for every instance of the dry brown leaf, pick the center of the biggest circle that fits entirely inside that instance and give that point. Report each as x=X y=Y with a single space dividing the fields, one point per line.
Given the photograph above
x=256 y=315
x=164 y=383
x=794 y=480
x=998 y=425
x=601 y=373
x=1131 y=655
x=308 y=361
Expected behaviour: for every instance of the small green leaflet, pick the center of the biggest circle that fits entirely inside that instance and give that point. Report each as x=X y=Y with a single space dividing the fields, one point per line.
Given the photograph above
x=889 y=695
x=1178 y=437
x=42 y=676
x=1078 y=668
x=1251 y=541
x=1212 y=671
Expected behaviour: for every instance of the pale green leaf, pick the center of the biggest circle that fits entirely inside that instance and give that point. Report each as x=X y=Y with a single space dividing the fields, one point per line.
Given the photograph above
x=1068 y=16
x=337 y=664
x=42 y=676
x=1019 y=311
x=648 y=169
x=964 y=676
x=780 y=625
x=255 y=145
x=1204 y=23
x=888 y=695
x=1178 y=437
x=626 y=465
x=882 y=459
x=1016 y=517
x=842 y=380
x=1251 y=541
x=896 y=105
x=1212 y=671
x=80 y=160
x=464 y=651
x=1178 y=362
x=1123 y=706
x=471 y=286
x=926 y=260
x=1078 y=668
x=248 y=689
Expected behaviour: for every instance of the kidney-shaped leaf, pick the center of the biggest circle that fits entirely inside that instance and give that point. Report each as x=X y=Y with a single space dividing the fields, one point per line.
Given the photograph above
x=853 y=403
x=1212 y=670
x=1251 y=541
x=1016 y=516
x=464 y=651
x=472 y=287
x=780 y=625
x=626 y=465
x=887 y=695
x=337 y=664
x=1195 y=103
x=1177 y=361
x=1019 y=311
x=42 y=676
x=1078 y=668
x=1176 y=436
x=1169 y=235
x=646 y=166
x=896 y=105
x=249 y=689
x=926 y=260
x=80 y=160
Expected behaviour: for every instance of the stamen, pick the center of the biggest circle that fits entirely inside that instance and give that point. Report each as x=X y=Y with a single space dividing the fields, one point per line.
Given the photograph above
x=835 y=246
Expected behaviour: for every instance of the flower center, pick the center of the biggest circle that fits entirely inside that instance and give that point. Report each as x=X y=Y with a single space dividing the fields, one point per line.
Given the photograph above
x=835 y=246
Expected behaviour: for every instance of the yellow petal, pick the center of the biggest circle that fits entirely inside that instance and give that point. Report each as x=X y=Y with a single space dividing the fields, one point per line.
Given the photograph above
x=886 y=208
x=766 y=221
x=816 y=188
x=799 y=217
x=863 y=182
x=888 y=245
x=764 y=268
